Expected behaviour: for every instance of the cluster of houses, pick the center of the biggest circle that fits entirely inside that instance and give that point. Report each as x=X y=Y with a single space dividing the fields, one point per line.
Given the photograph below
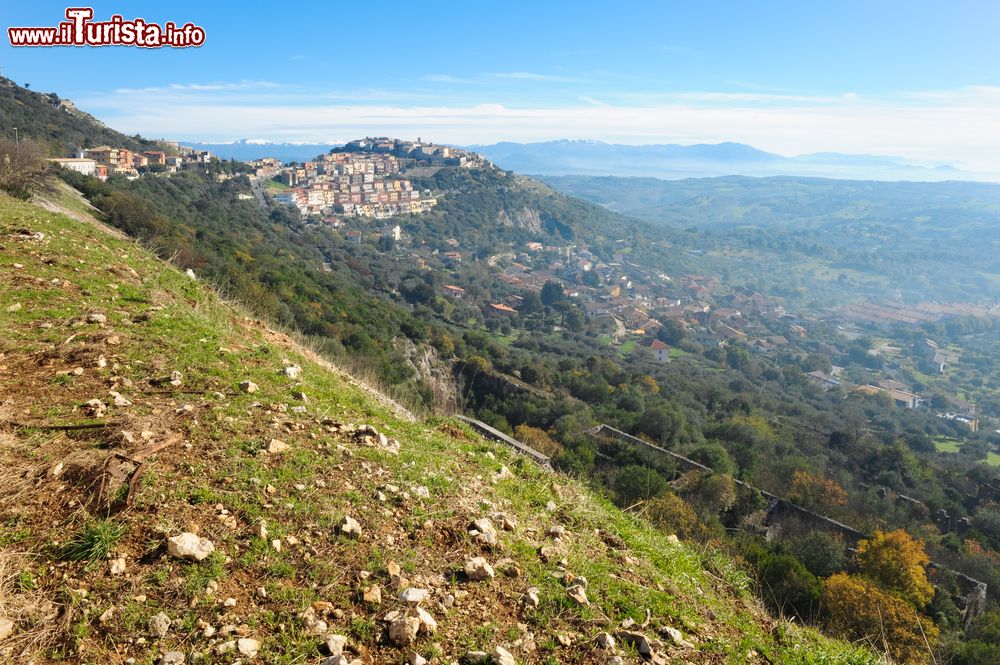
x=348 y=183
x=423 y=154
x=103 y=161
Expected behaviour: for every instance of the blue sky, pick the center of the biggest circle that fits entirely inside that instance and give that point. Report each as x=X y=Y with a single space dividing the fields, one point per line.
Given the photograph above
x=916 y=79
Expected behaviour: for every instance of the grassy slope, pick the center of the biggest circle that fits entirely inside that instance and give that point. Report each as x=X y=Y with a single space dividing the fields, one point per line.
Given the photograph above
x=159 y=321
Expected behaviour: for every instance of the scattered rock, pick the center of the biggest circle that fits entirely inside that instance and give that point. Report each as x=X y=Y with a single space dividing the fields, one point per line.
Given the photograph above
x=349 y=527
x=417 y=659
x=292 y=372
x=118 y=399
x=675 y=636
x=606 y=641
x=248 y=647
x=95 y=408
x=276 y=446
x=428 y=626
x=334 y=644
x=501 y=656
x=478 y=569
x=484 y=531
x=96 y=317
x=6 y=627
x=414 y=596
x=190 y=546
x=637 y=641
x=117 y=566
x=531 y=597
x=159 y=625
x=506 y=523
x=578 y=594
x=172 y=658
x=373 y=595
x=403 y=631
x=249 y=387
x=475 y=658
x=190 y=273
x=556 y=531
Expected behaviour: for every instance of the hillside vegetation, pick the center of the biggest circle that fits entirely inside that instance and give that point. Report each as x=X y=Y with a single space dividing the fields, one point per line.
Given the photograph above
x=137 y=406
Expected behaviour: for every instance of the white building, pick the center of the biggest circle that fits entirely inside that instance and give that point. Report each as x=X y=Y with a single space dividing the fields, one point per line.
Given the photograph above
x=78 y=164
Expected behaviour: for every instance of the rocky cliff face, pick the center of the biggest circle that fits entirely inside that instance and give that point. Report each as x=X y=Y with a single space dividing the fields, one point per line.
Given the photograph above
x=524 y=218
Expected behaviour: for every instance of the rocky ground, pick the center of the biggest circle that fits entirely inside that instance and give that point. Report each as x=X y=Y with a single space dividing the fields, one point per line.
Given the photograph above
x=181 y=484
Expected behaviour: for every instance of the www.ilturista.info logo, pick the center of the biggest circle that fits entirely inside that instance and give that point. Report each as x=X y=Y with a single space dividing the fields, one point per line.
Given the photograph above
x=81 y=30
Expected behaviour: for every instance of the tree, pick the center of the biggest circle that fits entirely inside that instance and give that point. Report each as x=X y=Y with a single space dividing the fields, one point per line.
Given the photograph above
x=671 y=513
x=790 y=586
x=860 y=610
x=552 y=292
x=23 y=171
x=634 y=483
x=538 y=439
x=897 y=563
x=815 y=492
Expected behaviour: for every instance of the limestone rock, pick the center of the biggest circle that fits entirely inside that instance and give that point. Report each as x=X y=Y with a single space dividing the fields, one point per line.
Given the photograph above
x=484 y=531
x=501 y=656
x=334 y=644
x=172 y=658
x=159 y=625
x=276 y=446
x=6 y=627
x=190 y=546
x=292 y=372
x=478 y=569
x=578 y=594
x=249 y=387
x=248 y=647
x=403 y=631
x=413 y=596
x=349 y=527
x=606 y=641
x=636 y=640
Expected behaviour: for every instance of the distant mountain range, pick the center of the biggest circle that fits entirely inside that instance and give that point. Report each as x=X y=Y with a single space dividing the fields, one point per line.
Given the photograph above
x=674 y=162
x=664 y=161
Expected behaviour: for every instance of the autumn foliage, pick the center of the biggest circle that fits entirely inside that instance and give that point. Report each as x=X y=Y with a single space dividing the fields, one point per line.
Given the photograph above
x=815 y=492
x=861 y=611
x=897 y=563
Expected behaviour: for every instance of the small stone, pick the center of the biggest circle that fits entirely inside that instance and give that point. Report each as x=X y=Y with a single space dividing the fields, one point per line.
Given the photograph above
x=578 y=594
x=107 y=615
x=190 y=274
x=414 y=596
x=249 y=387
x=172 y=658
x=606 y=641
x=373 y=595
x=159 y=625
x=349 y=527
x=276 y=446
x=276 y=545
x=476 y=658
x=403 y=631
x=556 y=531
x=531 y=597
x=334 y=644
x=638 y=641
x=675 y=636
x=248 y=647
x=417 y=659
x=478 y=569
x=551 y=506
x=428 y=626
x=501 y=656
x=485 y=531
x=118 y=566
x=293 y=372
x=96 y=317
x=96 y=408
x=190 y=546
x=229 y=602
x=118 y=399
x=261 y=592
x=102 y=362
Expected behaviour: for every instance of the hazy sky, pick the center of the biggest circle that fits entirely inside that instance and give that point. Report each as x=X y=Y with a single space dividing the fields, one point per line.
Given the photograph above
x=909 y=78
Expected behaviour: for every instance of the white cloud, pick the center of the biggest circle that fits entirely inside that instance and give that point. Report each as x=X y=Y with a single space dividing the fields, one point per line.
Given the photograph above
x=955 y=126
